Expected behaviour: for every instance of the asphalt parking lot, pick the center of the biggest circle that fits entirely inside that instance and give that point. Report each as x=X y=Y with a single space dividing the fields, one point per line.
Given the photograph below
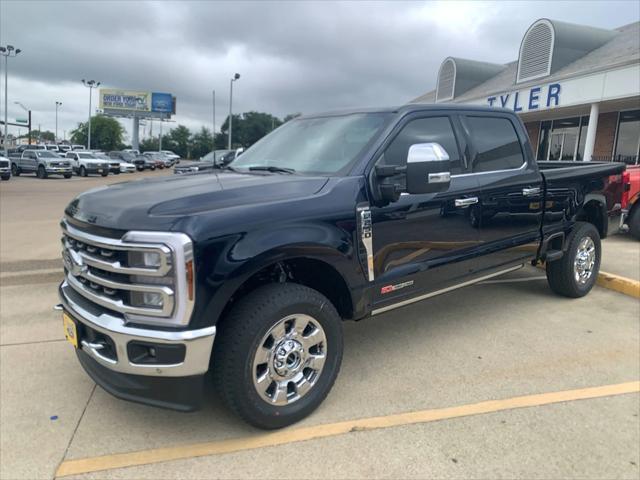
x=506 y=380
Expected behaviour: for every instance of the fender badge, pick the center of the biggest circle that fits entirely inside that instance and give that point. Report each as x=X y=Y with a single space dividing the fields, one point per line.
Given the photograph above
x=397 y=286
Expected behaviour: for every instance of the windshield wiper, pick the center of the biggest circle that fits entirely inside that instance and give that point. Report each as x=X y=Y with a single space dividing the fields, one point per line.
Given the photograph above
x=272 y=168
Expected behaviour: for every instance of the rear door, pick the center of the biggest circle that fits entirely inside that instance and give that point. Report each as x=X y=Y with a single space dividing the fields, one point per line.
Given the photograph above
x=508 y=213
x=29 y=161
x=421 y=243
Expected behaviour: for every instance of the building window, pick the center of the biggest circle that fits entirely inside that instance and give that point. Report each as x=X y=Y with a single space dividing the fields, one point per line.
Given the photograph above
x=563 y=139
x=628 y=139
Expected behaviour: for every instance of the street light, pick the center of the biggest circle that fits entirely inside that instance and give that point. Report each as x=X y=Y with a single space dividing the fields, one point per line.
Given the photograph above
x=58 y=104
x=6 y=52
x=233 y=79
x=28 y=120
x=90 y=84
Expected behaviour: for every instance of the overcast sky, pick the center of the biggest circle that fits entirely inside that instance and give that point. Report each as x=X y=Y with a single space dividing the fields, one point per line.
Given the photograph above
x=293 y=56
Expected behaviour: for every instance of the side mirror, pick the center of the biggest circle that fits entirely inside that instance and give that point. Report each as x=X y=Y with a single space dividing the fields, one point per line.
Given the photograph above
x=428 y=168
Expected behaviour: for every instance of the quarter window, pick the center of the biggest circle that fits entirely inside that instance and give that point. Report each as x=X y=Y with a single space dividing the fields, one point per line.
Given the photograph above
x=496 y=143
x=424 y=130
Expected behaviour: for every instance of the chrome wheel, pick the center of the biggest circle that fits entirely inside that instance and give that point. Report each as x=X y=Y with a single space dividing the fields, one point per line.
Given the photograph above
x=585 y=260
x=289 y=359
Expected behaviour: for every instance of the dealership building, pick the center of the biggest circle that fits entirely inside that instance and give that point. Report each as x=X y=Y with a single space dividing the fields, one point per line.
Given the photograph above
x=576 y=88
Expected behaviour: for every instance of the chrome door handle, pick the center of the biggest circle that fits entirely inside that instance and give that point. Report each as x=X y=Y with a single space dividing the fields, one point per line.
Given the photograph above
x=465 y=202
x=530 y=192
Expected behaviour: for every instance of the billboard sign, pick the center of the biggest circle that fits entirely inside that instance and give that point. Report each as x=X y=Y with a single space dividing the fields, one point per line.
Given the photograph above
x=161 y=102
x=125 y=100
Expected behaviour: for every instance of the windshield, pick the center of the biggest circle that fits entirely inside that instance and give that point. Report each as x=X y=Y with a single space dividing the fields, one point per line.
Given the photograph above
x=86 y=155
x=127 y=156
x=102 y=156
x=46 y=154
x=325 y=145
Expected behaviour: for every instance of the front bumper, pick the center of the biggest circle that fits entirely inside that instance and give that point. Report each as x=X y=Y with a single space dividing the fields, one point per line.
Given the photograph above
x=197 y=343
x=5 y=171
x=59 y=170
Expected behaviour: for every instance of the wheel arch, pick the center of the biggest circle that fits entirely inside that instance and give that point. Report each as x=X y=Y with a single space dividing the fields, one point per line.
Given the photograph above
x=594 y=211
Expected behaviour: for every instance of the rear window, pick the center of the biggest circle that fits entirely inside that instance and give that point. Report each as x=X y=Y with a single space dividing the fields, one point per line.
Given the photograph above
x=496 y=143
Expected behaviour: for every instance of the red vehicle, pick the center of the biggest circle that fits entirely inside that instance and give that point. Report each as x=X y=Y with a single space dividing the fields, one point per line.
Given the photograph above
x=631 y=200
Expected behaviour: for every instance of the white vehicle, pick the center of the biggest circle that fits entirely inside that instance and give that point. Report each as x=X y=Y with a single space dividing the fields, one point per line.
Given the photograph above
x=170 y=155
x=126 y=167
x=5 y=168
x=135 y=152
x=85 y=163
x=77 y=147
x=53 y=148
x=64 y=148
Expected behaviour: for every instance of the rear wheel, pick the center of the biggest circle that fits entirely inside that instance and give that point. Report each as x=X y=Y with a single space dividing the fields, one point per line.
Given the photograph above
x=105 y=173
x=576 y=272
x=634 y=222
x=277 y=354
x=41 y=172
x=67 y=175
x=153 y=167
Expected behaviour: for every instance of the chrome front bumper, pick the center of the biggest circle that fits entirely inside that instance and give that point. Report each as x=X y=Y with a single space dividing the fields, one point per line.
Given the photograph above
x=197 y=343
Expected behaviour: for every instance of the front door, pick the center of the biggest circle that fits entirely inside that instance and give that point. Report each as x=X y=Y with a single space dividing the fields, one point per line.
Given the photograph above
x=422 y=243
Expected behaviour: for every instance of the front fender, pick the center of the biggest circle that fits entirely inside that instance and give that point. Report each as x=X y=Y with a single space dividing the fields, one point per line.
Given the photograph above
x=224 y=265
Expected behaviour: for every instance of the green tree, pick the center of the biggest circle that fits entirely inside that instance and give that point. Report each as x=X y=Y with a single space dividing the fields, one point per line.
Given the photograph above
x=44 y=136
x=250 y=127
x=179 y=140
x=200 y=143
x=291 y=116
x=106 y=133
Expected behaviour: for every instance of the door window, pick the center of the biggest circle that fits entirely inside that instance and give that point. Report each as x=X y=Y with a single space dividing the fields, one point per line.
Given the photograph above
x=424 y=130
x=496 y=143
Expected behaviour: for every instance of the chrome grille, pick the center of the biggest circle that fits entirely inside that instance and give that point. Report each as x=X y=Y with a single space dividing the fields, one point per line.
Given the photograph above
x=105 y=272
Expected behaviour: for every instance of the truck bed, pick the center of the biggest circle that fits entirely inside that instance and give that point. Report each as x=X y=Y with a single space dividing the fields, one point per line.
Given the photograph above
x=562 y=170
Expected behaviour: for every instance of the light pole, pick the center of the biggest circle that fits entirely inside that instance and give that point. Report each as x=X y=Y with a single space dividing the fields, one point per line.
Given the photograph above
x=233 y=79
x=90 y=84
x=28 y=120
x=58 y=104
x=6 y=52
x=213 y=118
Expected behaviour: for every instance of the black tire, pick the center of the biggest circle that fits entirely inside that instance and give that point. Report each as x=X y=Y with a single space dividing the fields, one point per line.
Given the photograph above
x=634 y=222
x=561 y=273
x=140 y=169
x=67 y=175
x=117 y=172
x=239 y=337
x=153 y=167
x=83 y=171
x=104 y=174
x=6 y=177
x=15 y=171
x=41 y=173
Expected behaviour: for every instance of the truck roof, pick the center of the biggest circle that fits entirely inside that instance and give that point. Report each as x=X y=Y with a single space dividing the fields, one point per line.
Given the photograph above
x=410 y=108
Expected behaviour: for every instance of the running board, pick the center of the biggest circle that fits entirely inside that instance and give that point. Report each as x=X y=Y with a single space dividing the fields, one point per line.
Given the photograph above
x=444 y=290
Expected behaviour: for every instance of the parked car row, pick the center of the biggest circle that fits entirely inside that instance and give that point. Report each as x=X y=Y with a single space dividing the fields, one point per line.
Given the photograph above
x=44 y=161
x=214 y=159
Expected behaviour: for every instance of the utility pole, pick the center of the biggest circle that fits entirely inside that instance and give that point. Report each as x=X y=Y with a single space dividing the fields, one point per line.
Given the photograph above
x=58 y=104
x=90 y=84
x=213 y=118
x=160 y=138
x=233 y=79
x=6 y=52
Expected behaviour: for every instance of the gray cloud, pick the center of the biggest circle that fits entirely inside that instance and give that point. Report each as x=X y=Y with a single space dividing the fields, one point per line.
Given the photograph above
x=293 y=56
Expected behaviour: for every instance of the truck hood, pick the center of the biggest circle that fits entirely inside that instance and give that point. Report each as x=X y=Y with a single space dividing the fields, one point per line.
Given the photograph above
x=156 y=204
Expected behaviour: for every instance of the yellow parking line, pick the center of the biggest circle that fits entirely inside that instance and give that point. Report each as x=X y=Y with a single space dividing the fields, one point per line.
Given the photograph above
x=620 y=284
x=261 y=440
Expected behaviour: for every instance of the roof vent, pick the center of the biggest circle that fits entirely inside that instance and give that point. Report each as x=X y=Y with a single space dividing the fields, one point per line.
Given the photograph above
x=446 y=80
x=535 y=51
x=548 y=46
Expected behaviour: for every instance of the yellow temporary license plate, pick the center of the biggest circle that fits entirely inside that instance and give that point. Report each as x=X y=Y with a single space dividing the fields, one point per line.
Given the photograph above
x=70 y=330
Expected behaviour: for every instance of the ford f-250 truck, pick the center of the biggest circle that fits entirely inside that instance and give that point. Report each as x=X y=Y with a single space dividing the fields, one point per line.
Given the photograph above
x=249 y=271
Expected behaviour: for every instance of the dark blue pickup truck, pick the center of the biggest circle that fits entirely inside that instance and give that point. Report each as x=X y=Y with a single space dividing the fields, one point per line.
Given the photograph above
x=246 y=272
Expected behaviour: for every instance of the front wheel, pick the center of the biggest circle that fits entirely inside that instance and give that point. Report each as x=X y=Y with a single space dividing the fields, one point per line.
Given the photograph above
x=104 y=174
x=6 y=177
x=15 y=171
x=67 y=175
x=575 y=274
x=277 y=354
x=41 y=172
x=83 y=171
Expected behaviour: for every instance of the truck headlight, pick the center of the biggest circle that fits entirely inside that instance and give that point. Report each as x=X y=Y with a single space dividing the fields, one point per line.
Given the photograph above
x=147 y=299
